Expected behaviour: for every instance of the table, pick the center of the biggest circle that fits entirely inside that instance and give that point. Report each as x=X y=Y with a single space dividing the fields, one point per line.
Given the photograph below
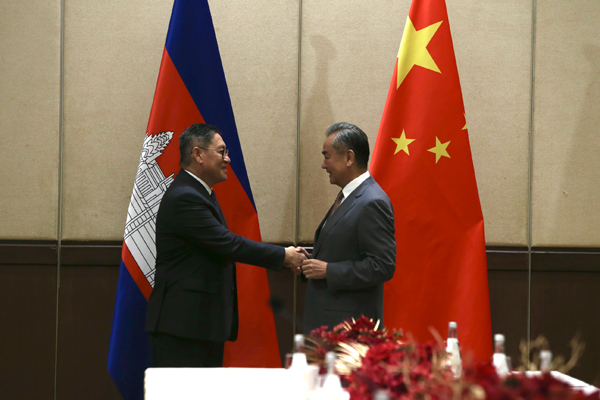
x=216 y=383
x=242 y=383
x=575 y=383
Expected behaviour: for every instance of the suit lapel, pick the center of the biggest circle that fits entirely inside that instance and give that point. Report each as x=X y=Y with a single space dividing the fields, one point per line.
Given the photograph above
x=318 y=231
x=345 y=207
x=218 y=208
x=193 y=182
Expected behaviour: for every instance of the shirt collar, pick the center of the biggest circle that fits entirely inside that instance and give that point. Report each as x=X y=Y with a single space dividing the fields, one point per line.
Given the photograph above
x=208 y=189
x=356 y=182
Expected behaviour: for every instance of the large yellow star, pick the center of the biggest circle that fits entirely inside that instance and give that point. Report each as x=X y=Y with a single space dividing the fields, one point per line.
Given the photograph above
x=465 y=127
x=402 y=143
x=413 y=50
x=439 y=149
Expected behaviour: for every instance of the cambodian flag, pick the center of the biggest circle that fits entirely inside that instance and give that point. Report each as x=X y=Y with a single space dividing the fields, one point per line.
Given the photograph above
x=191 y=88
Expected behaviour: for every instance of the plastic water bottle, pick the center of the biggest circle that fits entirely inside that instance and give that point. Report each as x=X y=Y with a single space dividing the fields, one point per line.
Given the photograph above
x=499 y=359
x=299 y=358
x=332 y=385
x=303 y=377
x=453 y=350
x=545 y=360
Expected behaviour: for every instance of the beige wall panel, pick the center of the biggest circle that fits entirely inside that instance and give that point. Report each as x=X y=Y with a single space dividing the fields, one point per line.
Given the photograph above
x=29 y=118
x=492 y=43
x=566 y=174
x=349 y=51
x=349 y=48
x=258 y=41
x=112 y=55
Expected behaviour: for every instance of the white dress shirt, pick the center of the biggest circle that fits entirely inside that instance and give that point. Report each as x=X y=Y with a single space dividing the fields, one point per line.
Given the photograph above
x=204 y=183
x=351 y=187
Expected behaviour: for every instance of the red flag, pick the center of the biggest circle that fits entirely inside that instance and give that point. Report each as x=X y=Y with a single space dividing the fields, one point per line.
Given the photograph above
x=422 y=159
x=191 y=88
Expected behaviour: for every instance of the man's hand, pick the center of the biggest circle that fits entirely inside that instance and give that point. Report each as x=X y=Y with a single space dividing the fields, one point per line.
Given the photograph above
x=294 y=258
x=303 y=251
x=314 y=269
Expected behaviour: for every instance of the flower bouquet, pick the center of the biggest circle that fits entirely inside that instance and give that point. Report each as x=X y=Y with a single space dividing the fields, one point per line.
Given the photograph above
x=371 y=360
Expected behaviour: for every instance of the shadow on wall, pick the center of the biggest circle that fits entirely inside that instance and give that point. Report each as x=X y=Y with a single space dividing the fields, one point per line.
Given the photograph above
x=318 y=103
x=316 y=116
x=578 y=185
x=580 y=179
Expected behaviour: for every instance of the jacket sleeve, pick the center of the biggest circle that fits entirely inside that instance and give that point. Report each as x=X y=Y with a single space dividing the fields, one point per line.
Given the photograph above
x=377 y=247
x=191 y=217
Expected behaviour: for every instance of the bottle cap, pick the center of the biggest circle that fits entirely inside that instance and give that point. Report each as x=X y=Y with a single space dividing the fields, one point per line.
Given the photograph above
x=330 y=358
x=452 y=324
x=380 y=394
x=298 y=342
x=499 y=338
x=546 y=356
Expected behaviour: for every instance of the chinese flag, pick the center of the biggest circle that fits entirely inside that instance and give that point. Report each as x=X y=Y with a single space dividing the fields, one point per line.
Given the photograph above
x=422 y=159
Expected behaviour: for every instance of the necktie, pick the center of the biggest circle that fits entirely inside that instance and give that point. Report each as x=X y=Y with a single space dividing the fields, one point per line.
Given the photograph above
x=214 y=199
x=338 y=201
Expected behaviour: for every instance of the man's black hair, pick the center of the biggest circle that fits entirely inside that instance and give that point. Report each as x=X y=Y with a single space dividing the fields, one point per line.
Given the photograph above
x=197 y=135
x=350 y=137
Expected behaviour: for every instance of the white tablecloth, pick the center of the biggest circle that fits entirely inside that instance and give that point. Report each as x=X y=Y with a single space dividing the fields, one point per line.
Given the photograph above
x=576 y=383
x=216 y=383
x=243 y=383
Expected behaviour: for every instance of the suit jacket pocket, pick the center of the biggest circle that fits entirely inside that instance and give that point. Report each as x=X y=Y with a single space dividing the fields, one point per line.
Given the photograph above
x=196 y=285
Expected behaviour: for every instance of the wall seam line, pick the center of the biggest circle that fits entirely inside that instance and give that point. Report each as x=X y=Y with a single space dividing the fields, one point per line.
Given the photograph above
x=530 y=167
x=60 y=184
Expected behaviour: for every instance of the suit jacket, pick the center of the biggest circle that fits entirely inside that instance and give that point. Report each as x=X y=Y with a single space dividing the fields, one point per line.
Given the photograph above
x=194 y=293
x=359 y=246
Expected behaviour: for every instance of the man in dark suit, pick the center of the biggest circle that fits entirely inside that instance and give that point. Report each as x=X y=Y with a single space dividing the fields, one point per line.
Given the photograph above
x=193 y=310
x=355 y=247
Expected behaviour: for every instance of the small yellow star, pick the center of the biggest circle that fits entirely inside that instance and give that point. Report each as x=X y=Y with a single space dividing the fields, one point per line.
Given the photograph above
x=439 y=149
x=402 y=143
x=413 y=50
x=465 y=127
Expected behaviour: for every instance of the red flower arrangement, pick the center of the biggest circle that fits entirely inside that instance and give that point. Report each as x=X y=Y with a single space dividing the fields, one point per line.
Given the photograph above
x=377 y=360
x=351 y=339
x=519 y=386
x=405 y=370
x=362 y=330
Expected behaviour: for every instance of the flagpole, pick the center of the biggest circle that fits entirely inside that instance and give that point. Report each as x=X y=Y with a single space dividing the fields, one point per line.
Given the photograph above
x=297 y=210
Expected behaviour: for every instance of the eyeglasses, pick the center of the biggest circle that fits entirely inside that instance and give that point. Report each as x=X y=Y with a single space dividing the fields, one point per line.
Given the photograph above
x=223 y=152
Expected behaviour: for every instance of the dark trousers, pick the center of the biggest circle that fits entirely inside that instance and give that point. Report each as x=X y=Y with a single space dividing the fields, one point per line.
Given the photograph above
x=173 y=351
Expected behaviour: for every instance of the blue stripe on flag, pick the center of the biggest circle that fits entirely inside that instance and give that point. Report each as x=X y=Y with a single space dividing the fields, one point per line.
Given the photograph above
x=130 y=353
x=192 y=46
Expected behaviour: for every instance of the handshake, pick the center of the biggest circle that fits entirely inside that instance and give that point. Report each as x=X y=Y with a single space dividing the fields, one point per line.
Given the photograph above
x=294 y=257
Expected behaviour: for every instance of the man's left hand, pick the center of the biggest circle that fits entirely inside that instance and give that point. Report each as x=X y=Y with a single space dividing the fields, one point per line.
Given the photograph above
x=314 y=269
x=294 y=258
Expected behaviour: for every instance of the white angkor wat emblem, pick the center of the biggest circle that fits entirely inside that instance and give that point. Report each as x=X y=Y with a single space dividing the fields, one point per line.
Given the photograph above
x=149 y=188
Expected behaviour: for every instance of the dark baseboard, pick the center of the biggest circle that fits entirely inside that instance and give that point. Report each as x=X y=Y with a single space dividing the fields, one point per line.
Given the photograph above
x=28 y=253
x=91 y=253
x=108 y=253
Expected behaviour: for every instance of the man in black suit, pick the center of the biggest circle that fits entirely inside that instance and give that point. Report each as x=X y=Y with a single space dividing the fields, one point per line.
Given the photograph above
x=355 y=247
x=193 y=310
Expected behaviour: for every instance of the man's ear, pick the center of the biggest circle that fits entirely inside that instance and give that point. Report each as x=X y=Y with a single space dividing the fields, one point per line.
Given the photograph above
x=197 y=155
x=350 y=157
